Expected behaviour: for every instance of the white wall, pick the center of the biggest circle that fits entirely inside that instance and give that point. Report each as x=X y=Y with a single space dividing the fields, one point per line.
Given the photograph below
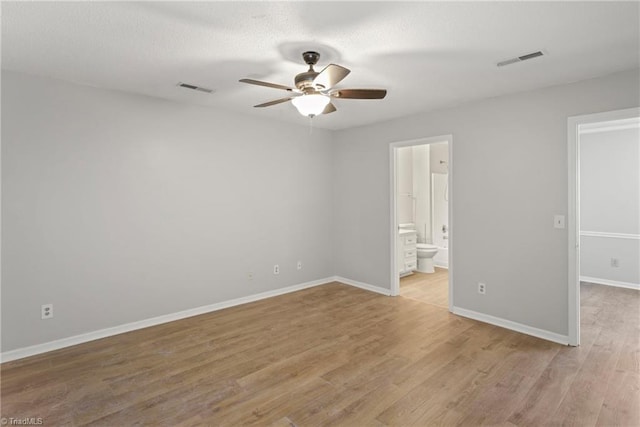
x=509 y=244
x=413 y=188
x=610 y=204
x=422 y=191
x=414 y=182
x=439 y=153
x=440 y=204
x=440 y=165
x=117 y=207
x=405 y=186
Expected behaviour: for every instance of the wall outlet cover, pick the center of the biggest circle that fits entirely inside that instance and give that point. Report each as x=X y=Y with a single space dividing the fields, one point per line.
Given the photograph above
x=46 y=311
x=558 y=221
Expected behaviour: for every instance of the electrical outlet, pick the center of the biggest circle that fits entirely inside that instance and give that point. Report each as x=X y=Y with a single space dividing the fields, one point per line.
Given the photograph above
x=482 y=288
x=299 y=265
x=46 y=311
x=276 y=269
x=615 y=262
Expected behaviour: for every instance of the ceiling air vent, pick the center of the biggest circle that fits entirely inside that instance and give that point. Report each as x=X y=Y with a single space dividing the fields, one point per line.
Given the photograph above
x=194 y=87
x=520 y=58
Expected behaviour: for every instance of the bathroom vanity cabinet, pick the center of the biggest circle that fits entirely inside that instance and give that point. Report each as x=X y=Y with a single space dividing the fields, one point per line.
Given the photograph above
x=407 y=252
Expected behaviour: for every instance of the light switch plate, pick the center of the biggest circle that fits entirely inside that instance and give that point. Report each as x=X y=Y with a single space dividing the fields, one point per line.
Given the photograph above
x=558 y=221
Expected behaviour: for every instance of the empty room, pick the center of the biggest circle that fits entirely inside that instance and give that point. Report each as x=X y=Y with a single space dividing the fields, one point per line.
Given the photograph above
x=320 y=213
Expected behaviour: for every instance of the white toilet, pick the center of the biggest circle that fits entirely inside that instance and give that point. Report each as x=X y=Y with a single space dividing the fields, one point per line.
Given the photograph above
x=426 y=252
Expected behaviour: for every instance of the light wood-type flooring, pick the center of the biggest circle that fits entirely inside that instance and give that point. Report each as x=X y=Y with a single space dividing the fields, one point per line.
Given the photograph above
x=338 y=355
x=432 y=288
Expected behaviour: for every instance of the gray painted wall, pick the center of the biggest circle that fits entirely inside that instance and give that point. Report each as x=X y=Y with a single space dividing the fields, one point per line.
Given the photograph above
x=610 y=181
x=511 y=150
x=118 y=208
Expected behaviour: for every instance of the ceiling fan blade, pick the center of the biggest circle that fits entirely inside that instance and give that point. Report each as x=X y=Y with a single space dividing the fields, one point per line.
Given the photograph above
x=266 y=84
x=331 y=75
x=330 y=108
x=277 y=101
x=359 y=93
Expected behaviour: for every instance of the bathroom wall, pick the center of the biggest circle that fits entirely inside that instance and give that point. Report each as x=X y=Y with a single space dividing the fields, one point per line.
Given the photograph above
x=405 y=202
x=421 y=191
x=440 y=204
x=440 y=166
x=413 y=189
x=610 y=206
x=508 y=243
x=118 y=207
x=439 y=153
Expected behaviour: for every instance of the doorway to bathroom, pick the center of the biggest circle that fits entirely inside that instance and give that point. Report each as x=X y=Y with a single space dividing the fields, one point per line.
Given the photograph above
x=421 y=226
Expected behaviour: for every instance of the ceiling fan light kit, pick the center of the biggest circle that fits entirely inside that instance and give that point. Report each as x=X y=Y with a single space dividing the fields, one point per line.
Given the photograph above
x=310 y=105
x=313 y=89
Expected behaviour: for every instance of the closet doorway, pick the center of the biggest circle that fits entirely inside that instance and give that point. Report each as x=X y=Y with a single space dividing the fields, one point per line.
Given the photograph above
x=603 y=216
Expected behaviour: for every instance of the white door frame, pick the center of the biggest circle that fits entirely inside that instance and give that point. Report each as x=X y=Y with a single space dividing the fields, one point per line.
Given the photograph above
x=573 y=220
x=393 y=148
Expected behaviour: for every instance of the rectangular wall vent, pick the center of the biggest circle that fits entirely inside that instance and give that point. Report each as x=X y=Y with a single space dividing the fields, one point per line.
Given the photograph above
x=520 y=58
x=194 y=87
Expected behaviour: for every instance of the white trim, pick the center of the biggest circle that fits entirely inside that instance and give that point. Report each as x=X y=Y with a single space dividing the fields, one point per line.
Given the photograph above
x=514 y=326
x=362 y=285
x=607 y=282
x=451 y=227
x=573 y=233
x=610 y=235
x=624 y=124
x=574 y=125
x=393 y=238
x=609 y=129
x=393 y=235
x=128 y=327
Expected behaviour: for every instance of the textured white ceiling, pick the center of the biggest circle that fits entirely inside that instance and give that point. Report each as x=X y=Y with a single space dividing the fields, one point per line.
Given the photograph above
x=428 y=55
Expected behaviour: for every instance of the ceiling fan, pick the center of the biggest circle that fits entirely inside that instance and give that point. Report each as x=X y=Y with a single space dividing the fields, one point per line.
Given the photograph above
x=313 y=90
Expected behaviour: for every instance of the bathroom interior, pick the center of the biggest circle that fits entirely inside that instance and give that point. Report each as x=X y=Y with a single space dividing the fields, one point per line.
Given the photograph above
x=423 y=222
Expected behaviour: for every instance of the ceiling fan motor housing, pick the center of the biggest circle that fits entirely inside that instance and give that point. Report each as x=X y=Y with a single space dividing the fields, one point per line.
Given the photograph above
x=304 y=81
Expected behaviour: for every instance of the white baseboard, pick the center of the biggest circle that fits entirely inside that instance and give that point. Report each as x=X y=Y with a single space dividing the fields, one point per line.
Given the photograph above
x=514 y=326
x=362 y=285
x=128 y=327
x=597 y=281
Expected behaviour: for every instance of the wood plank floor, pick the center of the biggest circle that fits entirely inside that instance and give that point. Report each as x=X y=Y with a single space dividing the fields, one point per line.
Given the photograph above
x=338 y=355
x=432 y=288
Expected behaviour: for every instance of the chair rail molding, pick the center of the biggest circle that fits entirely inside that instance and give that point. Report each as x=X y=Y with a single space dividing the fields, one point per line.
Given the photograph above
x=610 y=235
